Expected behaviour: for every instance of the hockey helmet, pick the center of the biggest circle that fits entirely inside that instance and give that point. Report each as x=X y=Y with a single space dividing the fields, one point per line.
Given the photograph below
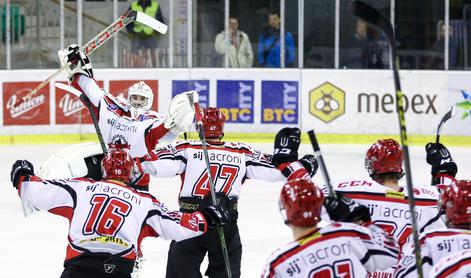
x=213 y=122
x=456 y=202
x=301 y=202
x=117 y=163
x=384 y=156
x=140 y=98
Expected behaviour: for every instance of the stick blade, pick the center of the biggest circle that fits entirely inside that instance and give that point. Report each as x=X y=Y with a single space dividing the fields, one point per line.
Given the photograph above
x=371 y=15
x=151 y=22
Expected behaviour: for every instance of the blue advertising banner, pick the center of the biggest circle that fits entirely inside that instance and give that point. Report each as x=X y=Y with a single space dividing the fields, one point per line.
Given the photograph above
x=200 y=86
x=235 y=99
x=280 y=102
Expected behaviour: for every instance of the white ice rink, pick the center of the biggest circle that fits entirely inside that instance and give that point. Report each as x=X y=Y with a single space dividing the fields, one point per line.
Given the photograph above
x=35 y=246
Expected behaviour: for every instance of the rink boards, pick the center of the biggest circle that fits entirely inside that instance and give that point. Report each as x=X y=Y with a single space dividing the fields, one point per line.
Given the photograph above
x=342 y=105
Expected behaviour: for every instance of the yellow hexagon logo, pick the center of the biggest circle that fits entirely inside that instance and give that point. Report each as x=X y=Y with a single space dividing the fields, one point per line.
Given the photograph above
x=327 y=102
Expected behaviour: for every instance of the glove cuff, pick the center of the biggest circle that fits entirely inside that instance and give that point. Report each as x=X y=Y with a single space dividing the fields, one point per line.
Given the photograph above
x=293 y=170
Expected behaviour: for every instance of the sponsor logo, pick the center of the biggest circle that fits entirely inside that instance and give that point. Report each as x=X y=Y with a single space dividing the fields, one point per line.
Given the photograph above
x=327 y=102
x=70 y=106
x=465 y=104
x=235 y=99
x=25 y=106
x=386 y=103
x=112 y=107
x=200 y=86
x=109 y=268
x=394 y=194
x=280 y=102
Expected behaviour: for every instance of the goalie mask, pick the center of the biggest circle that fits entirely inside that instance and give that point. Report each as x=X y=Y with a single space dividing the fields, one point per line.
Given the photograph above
x=456 y=203
x=117 y=163
x=384 y=156
x=213 y=123
x=140 y=98
x=300 y=203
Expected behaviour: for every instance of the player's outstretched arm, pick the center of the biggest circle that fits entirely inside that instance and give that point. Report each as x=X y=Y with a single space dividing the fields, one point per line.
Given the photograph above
x=165 y=162
x=80 y=72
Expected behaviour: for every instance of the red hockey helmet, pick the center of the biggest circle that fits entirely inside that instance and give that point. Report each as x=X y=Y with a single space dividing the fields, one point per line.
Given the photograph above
x=456 y=201
x=301 y=203
x=213 y=122
x=117 y=163
x=384 y=156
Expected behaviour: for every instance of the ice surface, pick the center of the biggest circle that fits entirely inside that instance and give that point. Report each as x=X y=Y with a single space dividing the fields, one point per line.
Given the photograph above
x=35 y=246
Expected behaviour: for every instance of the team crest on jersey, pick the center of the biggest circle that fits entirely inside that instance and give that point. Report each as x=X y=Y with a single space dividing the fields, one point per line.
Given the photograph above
x=394 y=194
x=119 y=139
x=112 y=107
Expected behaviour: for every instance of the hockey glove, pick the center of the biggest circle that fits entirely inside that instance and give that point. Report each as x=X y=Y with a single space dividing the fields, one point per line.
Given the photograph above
x=310 y=163
x=20 y=168
x=75 y=61
x=440 y=158
x=344 y=209
x=215 y=216
x=287 y=142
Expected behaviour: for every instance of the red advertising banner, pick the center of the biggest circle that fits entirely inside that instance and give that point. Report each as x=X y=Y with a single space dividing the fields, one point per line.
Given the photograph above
x=69 y=108
x=120 y=88
x=34 y=111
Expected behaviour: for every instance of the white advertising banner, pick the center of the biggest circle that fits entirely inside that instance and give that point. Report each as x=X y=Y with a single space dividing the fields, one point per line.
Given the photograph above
x=256 y=100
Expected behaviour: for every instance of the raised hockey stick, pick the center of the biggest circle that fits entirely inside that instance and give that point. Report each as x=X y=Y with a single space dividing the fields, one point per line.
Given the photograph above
x=88 y=104
x=199 y=125
x=320 y=159
x=105 y=36
x=372 y=16
x=448 y=115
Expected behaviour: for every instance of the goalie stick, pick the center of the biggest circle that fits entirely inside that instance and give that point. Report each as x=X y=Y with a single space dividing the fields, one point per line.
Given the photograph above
x=105 y=36
x=372 y=16
x=199 y=127
x=318 y=155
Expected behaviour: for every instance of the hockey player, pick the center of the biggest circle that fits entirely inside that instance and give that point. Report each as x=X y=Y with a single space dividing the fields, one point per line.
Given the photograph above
x=336 y=250
x=231 y=164
x=129 y=123
x=439 y=243
x=108 y=219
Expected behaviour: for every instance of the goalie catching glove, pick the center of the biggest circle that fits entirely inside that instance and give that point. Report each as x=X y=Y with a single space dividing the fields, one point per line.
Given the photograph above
x=74 y=60
x=20 y=168
x=181 y=112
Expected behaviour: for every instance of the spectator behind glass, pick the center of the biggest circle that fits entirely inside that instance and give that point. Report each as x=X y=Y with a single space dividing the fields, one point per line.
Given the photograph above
x=145 y=37
x=362 y=50
x=269 y=45
x=440 y=47
x=240 y=50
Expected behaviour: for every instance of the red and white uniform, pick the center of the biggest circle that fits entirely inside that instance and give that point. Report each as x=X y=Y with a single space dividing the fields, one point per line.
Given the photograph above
x=106 y=216
x=457 y=265
x=336 y=250
x=116 y=124
x=389 y=209
x=434 y=246
x=231 y=163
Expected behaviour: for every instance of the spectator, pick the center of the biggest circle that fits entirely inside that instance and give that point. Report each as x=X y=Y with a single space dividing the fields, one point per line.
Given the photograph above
x=440 y=47
x=145 y=37
x=362 y=50
x=269 y=45
x=240 y=50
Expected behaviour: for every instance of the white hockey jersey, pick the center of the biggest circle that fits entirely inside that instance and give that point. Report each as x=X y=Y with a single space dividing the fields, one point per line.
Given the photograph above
x=434 y=245
x=336 y=250
x=457 y=265
x=231 y=164
x=389 y=209
x=106 y=216
x=116 y=124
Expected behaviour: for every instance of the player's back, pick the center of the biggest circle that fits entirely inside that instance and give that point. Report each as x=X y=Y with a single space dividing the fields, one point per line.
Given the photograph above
x=457 y=265
x=336 y=250
x=435 y=245
x=389 y=209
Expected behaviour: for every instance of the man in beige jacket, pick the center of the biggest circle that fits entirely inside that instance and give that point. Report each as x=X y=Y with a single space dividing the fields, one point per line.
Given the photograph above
x=240 y=51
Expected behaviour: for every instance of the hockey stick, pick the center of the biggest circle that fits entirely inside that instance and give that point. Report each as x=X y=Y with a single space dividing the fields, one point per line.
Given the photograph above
x=88 y=104
x=199 y=125
x=318 y=155
x=372 y=16
x=105 y=36
x=448 y=115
